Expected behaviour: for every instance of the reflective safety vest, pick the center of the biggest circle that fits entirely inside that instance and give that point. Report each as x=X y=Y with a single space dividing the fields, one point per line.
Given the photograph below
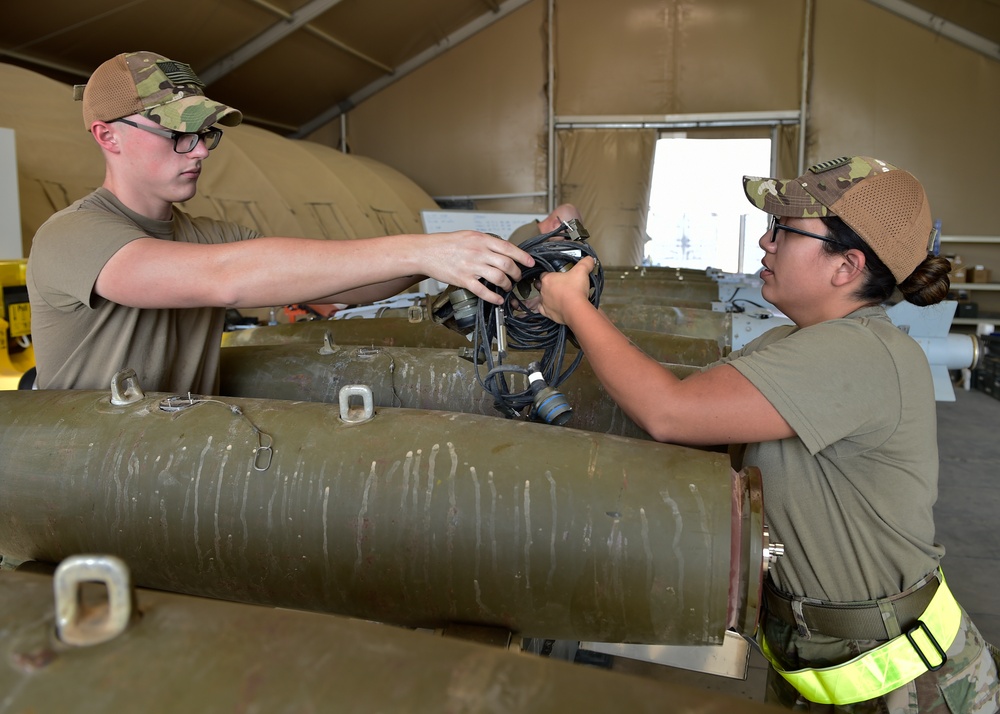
x=888 y=666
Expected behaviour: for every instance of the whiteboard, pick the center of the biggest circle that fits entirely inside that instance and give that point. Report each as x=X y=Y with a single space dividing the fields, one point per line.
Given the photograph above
x=10 y=205
x=502 y=224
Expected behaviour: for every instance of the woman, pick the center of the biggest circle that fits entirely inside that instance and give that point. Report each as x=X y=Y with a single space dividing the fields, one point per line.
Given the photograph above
x=839 y=414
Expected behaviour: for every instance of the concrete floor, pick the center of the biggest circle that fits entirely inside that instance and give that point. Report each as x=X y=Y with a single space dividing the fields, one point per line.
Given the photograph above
x=966 y=516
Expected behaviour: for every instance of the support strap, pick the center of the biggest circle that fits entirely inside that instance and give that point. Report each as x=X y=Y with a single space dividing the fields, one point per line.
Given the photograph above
x=919 y=649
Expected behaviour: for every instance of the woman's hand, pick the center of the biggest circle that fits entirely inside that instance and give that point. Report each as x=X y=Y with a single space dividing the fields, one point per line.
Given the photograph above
x=561 y=293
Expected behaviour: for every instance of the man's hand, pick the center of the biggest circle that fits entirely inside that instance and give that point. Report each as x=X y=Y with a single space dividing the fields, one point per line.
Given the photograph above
x=463 y=258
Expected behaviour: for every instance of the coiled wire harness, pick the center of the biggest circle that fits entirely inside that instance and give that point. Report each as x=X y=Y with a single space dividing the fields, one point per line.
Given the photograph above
x=513 y=326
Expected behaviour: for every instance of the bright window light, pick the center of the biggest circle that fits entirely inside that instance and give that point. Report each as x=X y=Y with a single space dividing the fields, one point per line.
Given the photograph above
x=697 y=205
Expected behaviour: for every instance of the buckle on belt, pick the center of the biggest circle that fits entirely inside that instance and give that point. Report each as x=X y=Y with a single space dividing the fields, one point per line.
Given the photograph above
x=919 y=624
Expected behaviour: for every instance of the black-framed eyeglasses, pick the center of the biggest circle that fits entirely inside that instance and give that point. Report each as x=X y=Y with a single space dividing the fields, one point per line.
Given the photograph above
x=776 y=225
x=184 y=142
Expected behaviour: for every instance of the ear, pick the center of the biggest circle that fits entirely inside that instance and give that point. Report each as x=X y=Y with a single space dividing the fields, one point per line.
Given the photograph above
x=105 y=136
x=850 y=267
x=549 y=223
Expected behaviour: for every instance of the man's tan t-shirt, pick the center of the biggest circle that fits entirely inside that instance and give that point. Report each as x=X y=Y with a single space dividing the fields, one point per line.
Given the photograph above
x=81 y=340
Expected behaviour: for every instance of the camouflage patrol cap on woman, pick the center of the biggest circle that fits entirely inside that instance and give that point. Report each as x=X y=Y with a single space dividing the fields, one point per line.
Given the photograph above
x=883 y=204
x=149 y=84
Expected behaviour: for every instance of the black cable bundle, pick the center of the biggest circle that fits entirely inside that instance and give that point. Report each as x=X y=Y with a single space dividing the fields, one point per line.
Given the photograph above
x=527 y=330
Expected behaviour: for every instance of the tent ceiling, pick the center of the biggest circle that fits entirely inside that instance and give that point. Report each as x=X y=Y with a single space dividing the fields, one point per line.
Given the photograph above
x=292 y=65
x=283 y=63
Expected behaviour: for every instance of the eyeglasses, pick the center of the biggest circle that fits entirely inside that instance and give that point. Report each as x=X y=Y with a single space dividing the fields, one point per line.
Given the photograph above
x=184 y=142
x=776 y=226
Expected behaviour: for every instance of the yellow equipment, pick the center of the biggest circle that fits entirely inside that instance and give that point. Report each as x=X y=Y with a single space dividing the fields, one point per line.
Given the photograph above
x=17 y=355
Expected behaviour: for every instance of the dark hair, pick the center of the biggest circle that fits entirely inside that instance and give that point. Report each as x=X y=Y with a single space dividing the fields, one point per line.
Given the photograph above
x=927 y=285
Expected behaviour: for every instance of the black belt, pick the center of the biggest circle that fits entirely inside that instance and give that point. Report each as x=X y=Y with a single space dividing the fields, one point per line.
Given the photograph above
x=850 y=621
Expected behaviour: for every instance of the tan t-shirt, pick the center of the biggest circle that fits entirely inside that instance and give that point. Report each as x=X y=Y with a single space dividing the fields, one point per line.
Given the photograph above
x=851 y=496
x=81 y=339
x=523 y=233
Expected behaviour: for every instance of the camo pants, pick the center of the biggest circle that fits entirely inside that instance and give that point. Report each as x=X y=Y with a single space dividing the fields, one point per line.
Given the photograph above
x=966 y=684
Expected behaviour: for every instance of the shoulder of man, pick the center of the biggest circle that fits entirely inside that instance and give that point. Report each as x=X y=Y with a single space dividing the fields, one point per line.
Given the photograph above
x=525 y=232
x=91 y=209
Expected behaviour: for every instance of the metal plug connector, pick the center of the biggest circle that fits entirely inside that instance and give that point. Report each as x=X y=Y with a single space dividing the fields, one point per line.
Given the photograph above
x=575 y=229
x=464 y=305
x=548 y=405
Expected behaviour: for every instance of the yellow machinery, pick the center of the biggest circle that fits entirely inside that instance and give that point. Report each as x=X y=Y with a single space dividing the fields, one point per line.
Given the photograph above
x=16 y=353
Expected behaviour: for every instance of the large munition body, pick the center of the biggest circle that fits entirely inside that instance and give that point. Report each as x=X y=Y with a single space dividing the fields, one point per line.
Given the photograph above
x=660 y=272
x=701 y=291
x=199 y=655
x=418 y=518
x=685 y=321
x=376 y=332
x=624 y=297
x=412 y=378
x=400 y=332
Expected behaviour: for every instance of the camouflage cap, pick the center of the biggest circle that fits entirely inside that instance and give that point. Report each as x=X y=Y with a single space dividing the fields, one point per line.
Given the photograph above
x=883 y=204
x=159 y=89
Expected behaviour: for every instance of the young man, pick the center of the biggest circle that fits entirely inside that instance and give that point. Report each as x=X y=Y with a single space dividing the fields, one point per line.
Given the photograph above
x=123 y=278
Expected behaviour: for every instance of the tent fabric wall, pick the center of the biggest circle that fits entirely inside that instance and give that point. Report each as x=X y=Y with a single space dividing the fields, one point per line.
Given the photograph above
x=607 y=174
x=57 y=162
x=390 y=203
x=642 y=57
x=474 y=121
x=914 y=98
x=648 y=57
x=414 y=199
x=909 y=95
x=320 y=201
x=471 y=122
x=355 y=211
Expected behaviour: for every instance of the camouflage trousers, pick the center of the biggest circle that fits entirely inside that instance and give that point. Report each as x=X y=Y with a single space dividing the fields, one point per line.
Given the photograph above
x=966 y=684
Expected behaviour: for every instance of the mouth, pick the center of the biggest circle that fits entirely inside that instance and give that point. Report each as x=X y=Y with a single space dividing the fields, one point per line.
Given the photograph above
x=765 y=270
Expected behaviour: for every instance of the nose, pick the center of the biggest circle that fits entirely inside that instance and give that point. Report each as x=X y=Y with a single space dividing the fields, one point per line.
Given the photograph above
x=765 y=242
x=200 y=150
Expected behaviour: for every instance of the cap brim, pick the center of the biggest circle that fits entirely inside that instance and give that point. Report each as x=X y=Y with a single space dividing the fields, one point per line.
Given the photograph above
x=193 y=114
x=783 y=197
